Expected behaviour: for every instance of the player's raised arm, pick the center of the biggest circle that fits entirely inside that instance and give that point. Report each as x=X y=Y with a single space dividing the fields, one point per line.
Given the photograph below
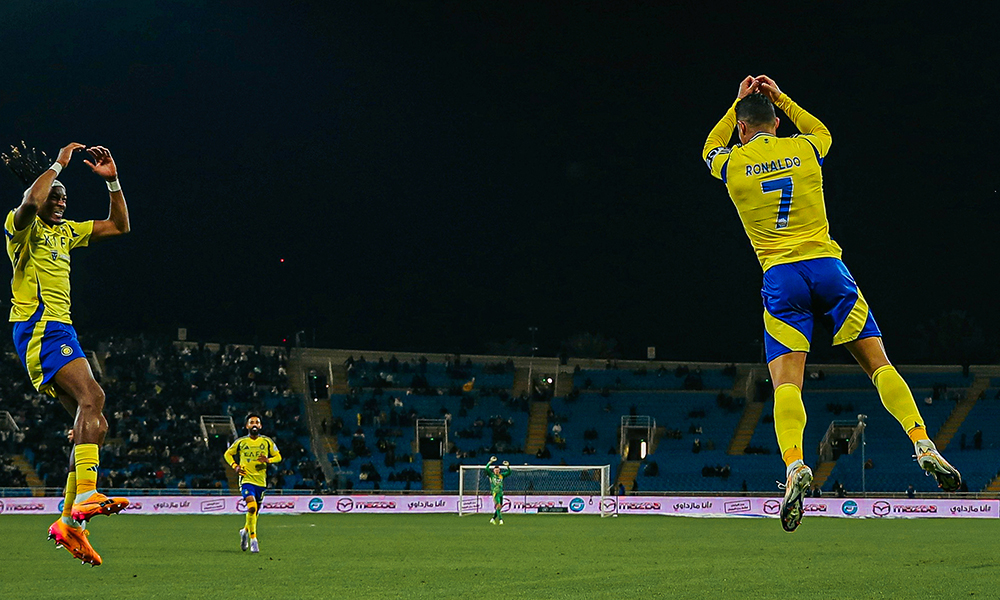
x=117 y=222
x=506 y=471
x=806 y=123
x=716 y=145
x=38 y=193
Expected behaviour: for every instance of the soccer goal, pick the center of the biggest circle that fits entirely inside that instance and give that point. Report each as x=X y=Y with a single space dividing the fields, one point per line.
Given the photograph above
x=538 y=489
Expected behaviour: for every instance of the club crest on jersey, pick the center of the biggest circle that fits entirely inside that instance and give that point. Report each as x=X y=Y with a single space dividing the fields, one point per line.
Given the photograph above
x=55 y=255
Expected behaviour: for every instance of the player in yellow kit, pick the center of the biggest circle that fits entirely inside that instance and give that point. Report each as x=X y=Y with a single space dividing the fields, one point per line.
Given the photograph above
x=776 y=184
x=249 y=456
x=39 y=242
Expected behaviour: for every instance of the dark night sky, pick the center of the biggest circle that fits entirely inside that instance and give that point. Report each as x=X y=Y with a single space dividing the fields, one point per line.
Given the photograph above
x=438 y=175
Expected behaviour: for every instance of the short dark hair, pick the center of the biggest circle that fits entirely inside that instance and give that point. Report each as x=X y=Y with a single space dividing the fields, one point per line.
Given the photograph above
x=755 y=110
x=250 y=416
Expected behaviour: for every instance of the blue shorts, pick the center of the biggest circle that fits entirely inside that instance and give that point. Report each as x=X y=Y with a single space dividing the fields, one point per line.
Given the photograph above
x=796 y=293
x=257 y=491
x=45 y=347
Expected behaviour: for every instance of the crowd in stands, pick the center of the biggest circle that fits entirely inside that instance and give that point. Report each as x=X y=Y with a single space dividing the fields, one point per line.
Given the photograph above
x=10 y=474
x=155 y=396
x=157 y=392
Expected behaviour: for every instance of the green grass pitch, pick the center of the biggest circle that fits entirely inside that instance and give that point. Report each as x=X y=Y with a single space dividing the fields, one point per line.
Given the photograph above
x=531 y=556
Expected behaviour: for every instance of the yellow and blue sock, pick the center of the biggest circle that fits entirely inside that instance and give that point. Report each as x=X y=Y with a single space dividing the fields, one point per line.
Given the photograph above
x=898 y=400
x=789 y=422
x=69 y=495
x=251 y=523
x=85 y=456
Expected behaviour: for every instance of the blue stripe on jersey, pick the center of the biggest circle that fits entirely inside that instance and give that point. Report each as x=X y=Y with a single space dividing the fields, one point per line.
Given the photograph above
x=725 y=166
x=815 y=150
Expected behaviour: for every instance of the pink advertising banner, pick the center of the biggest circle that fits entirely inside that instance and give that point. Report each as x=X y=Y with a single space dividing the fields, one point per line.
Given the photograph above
x=703 y=506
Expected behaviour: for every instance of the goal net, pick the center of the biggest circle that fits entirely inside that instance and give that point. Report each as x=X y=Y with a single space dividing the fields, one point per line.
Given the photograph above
x=538 y=489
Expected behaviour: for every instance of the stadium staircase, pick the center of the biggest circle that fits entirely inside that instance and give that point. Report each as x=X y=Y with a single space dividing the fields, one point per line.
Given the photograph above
x=627 y=473
x=752 y=410
x=323 y=446
x=958 y=414
x=993 y=486
x=433 y=480
x=522 y=381
x=232 y=478
x=822 y=472
x=34 y=481
x=538 y=422
x=745 y=429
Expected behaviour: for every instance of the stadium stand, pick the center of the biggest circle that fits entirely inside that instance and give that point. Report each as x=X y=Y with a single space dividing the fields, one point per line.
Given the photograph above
x=364 y=432
x=155 y=396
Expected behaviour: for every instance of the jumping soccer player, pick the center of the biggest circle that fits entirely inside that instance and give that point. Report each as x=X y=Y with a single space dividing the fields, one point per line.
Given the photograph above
x=249 y=456
x=39 y=242
x=777 y=187
x=496 y=477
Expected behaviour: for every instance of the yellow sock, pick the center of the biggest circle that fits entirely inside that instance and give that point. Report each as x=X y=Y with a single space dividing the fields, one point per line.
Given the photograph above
x=69 y=495
x=898 y=400
x=246 y=525
x=252 y=525
x=789 y=421
x=252 y=518
x=85 y=457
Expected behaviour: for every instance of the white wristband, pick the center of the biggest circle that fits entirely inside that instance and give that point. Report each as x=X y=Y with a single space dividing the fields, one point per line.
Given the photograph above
x=114 y=186
x=57 y=167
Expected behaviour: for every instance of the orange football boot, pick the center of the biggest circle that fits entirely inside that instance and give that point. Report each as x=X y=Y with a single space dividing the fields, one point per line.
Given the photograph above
x=75 y=541
x=98 y=504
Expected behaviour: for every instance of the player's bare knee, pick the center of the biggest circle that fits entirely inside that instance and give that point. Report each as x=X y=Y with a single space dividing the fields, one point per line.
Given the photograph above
x=91 y=402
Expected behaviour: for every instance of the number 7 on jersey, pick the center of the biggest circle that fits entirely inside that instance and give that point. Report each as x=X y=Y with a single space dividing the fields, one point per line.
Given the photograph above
x=784 y=184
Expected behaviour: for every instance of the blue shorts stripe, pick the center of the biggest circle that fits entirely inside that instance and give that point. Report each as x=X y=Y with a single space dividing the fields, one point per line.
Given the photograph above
x=57 y=347
x=795 y=294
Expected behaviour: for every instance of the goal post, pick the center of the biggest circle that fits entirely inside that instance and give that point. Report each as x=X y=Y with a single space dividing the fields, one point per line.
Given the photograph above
x=538 y=488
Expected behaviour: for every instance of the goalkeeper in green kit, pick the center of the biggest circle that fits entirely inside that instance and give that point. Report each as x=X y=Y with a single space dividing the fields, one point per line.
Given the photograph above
x=496 y=477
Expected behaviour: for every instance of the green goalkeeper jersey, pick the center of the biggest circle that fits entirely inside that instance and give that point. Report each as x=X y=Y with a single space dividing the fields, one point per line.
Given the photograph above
x=496 y=481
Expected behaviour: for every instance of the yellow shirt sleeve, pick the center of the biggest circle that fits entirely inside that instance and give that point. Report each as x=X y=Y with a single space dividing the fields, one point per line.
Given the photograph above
x=811 y=128
x=231 y=454
x=15 y=236
x=274 y=456
x=82 y=230
x=716 y=150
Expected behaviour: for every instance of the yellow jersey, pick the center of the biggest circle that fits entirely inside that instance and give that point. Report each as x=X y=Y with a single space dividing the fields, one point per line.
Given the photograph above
x=246 y=450
x=39 y=254
x=777 y=186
